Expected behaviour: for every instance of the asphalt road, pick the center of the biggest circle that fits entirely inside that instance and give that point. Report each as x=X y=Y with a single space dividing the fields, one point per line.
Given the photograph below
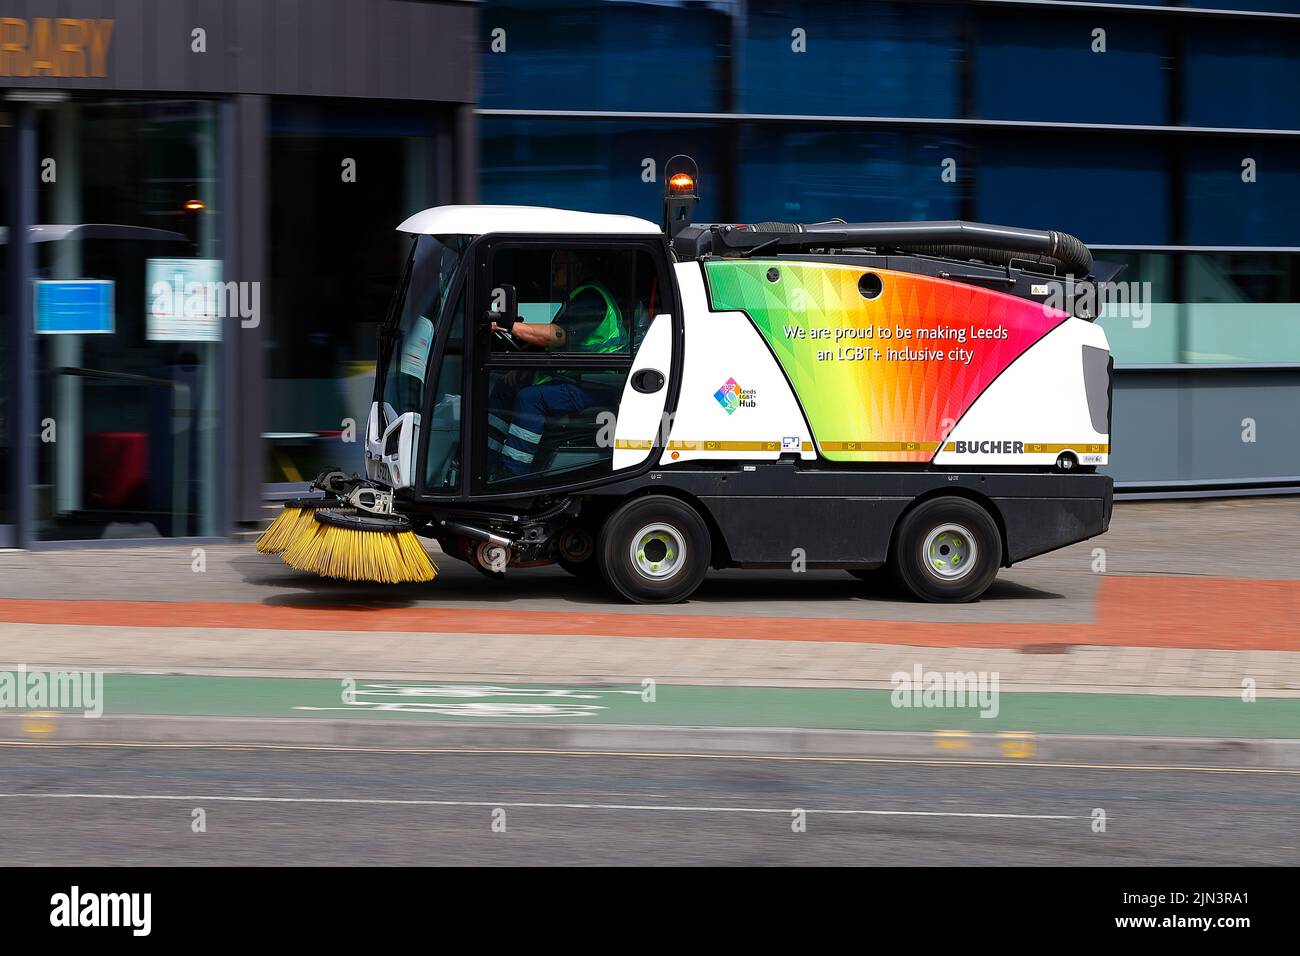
x=101 y=806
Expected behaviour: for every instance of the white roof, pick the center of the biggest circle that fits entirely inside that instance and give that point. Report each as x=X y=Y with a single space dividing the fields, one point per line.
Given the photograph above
x=478 y=220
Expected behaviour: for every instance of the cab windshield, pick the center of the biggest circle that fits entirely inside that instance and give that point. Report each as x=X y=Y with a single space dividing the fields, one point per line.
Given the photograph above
x=423 y=293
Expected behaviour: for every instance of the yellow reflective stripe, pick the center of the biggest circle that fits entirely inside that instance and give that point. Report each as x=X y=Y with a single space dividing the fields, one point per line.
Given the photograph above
x=640 y=444
x=708 y=445
x=643 y=444
x=1037 y=448
x=925 y=446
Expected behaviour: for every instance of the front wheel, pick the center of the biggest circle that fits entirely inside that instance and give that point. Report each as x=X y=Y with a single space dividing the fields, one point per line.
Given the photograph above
x=654 y=550
x=947 y=550
x=576 y=552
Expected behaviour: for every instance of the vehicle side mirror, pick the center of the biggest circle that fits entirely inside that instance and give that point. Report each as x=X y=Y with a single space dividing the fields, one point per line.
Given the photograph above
x=504 y=306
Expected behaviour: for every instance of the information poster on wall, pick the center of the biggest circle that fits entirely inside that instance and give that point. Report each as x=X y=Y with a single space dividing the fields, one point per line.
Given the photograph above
x=186 y=300
x=74 y=307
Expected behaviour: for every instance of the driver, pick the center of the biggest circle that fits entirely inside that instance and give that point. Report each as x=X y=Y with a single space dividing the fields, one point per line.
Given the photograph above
x=589 y=321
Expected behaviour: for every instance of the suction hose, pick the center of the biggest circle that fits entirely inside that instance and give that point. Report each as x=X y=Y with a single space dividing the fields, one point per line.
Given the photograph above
x=967 y=240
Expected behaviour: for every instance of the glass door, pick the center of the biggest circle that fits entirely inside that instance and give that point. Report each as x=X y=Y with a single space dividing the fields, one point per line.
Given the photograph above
x=130 y=302
x=553 y=375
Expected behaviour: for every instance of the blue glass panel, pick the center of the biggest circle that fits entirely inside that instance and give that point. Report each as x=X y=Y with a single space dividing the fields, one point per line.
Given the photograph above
x=855 y=175
x=1039 y=65
x=1223 y=209
x=604 y=56
x=1258 y=6
x=870 y=59
x=592 y=166
x=1111 y=190
x=1243 y=75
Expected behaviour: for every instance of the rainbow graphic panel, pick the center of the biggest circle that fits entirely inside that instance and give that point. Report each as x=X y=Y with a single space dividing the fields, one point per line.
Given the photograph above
x=886 y=378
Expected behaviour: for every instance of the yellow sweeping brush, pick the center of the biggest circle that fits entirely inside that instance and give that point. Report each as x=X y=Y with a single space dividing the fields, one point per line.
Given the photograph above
x=359 y=547
x=297 y=518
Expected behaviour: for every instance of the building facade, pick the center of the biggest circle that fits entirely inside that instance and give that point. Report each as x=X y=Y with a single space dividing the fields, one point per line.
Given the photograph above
x=198 y=209
x=1165 y=135
x=267 y=148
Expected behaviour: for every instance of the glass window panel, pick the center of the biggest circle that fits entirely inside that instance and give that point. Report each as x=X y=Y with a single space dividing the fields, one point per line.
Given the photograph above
x=550 y=427
x=1242 y=308
x=593 y=166
x=1237 y=74
x=1258 y=6
x=437 y=259
x=1142 y=324
x=1102 y=190
x=129 y=387
x=811 y=176
x=1223 y=209
x=551 y=422
x=600 y=300
x=1031 y=64
x=335 y=259
x=1231 y=308
x=604 y=56
x=870 y=59
x=8 y=383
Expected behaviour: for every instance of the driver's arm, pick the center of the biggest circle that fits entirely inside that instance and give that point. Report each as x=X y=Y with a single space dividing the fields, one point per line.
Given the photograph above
x=581 y=313
x=549 y=335
x=542 y=336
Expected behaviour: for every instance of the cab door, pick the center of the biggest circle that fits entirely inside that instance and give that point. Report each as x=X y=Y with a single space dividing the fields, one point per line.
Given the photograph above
x=571 y=386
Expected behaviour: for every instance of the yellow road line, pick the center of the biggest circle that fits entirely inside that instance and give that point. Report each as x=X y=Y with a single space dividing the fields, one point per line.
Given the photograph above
x=645 y=755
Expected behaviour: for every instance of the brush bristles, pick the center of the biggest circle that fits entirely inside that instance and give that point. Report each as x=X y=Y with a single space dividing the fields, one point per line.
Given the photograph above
x=385 y=557
x=280 y=533
x=300 y=553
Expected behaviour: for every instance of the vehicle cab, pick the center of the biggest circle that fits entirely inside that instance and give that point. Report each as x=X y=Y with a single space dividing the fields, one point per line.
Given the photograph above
x=478 y=280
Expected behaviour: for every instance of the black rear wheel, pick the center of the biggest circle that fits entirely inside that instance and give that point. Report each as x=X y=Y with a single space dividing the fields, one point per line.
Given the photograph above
x=654 y=550
x=946 y=550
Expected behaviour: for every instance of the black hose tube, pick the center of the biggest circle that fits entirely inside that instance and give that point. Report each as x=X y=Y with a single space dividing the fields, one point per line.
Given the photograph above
x=1074 y=265
x=967 y=240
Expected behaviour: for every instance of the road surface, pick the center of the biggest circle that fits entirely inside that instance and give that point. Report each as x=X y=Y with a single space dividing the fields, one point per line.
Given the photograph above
x=137 y=805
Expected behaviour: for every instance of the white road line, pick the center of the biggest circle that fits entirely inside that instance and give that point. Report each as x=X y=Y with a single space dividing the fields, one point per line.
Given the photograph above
x=380 y=801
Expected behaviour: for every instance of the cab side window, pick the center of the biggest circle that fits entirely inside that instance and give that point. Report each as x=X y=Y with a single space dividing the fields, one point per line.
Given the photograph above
x=602 y=299
x=551 y=399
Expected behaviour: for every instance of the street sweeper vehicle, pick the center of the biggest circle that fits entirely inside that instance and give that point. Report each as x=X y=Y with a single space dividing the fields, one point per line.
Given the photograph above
x=642 y=402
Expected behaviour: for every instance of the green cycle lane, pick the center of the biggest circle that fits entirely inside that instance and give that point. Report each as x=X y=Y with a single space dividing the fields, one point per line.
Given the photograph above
x=695 y=705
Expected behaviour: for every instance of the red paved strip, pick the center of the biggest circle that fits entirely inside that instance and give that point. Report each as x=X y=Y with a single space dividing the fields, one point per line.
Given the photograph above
x=1227 y=613
x=1224 y=614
